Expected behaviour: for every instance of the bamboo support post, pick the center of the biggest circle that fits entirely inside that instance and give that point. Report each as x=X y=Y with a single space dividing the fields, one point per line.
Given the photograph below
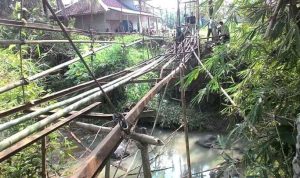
x=44 y=157
x=185 y=122
x=145 y=159
x=107 y=168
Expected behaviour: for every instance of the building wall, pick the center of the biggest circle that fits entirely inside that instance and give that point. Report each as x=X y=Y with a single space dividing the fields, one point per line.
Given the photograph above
x=97 y=22
x=111 y=20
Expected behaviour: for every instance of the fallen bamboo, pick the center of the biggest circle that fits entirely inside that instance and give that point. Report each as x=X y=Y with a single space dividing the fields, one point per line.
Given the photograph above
x=96 y=159
x=31 y=139
x=83 y=99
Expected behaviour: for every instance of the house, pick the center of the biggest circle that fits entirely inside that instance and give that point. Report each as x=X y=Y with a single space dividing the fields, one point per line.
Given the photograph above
x=112 y=15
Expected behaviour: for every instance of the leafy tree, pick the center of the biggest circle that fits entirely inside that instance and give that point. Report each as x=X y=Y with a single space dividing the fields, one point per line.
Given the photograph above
x=259 y=68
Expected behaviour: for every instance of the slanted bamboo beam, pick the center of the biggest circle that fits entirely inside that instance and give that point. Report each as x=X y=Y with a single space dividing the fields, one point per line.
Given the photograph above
x=133 y=43
x=4 y=154
x=47 y=72
x=61 y=93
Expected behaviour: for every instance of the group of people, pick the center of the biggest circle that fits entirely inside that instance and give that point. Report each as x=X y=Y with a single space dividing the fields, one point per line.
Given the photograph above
x=218 y=31
x=190 y=21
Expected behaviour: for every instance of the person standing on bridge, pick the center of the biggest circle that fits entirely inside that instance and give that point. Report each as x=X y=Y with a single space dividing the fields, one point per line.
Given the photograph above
x=224 y=32
x=192 y=24
x=211 y=29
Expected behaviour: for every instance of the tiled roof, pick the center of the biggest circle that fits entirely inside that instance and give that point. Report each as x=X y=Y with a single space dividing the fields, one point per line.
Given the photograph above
x=117 y=4
x=82 y=7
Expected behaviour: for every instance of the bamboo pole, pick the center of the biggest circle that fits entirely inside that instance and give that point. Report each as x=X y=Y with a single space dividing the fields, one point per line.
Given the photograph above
x=43 y=148
x=133 y=135
x=114 y=83
x=279 y=5
x=185 y=122
x=96 y=159
x=33 y=138
x=9 y=42
x=83 y=99
x=54 y=69
x=93 y=127
x=48 y=27
x=145 y=159
x=61 y=93
x=46 y=72
x=107 y=169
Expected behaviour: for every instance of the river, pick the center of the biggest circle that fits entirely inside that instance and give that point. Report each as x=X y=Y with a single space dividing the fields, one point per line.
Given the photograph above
x=172 y=160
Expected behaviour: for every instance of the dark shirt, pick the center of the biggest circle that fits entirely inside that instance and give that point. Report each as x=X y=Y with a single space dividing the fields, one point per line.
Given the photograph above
x=192 y=20
x=187 y=19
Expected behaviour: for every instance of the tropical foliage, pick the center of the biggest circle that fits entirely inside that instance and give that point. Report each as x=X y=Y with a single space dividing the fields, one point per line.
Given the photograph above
x=259 y=68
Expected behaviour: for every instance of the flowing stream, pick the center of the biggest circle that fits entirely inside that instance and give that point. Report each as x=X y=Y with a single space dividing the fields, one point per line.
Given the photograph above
x=172 y=160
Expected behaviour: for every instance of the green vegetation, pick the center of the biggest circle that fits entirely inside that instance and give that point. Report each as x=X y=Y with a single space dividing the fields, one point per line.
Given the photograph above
x=259 y=68
x=112 y=59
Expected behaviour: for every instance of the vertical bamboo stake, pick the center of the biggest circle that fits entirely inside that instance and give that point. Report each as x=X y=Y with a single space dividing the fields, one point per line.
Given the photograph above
x=43 y=145
x=145 y=156
x=107 y=169
x=183 y=103
x=145 y=160
x=198 y=28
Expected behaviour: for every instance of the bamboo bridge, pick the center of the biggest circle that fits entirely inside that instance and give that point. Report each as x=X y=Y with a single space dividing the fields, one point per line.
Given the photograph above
x=57 y=115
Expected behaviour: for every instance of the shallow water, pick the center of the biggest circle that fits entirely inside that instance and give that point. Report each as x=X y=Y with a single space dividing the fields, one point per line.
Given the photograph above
x=173 y=157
